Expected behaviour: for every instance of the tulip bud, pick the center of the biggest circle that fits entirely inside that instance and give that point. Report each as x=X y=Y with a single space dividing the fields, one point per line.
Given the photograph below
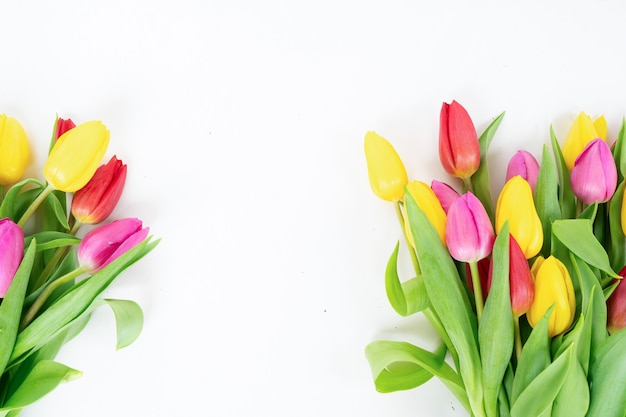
x=106 y=243
x=553 y=286
x=516 y=204
x=616 y=305
x=445 y=193
x=469 y=234
x=594 y=175
x=76 y=155
x=11 y=253
x=524 y=164
x=63 y=125
x=427 y=202
x=521 y=284
x=459 y=150
x=14 y=151
x=95 y=202
x=582 y=132
x=385 y=168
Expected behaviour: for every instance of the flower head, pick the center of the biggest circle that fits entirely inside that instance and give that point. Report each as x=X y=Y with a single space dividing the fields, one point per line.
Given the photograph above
x=524 y=164
x=63 y=125
x=386 y=171
x=445 y=193
x=616 y=305
x=11 y=252
x=14 y=150
x=594 y=175
x=583 y=131
x=459 y=150
x=427 y=202
x=469 y=233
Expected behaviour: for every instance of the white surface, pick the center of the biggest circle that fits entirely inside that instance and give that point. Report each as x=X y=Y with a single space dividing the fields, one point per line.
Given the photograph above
x=242 y=125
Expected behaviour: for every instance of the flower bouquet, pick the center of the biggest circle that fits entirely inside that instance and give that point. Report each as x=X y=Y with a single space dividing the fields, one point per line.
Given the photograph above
x=523 y=293
x=51 y=279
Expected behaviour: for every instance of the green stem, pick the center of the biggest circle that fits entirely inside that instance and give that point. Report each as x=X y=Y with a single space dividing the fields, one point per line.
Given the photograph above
x=51 y=265
x=518 y=338
x=478 y=292
x=45 y=294
x=35 y=204
x=467 y=185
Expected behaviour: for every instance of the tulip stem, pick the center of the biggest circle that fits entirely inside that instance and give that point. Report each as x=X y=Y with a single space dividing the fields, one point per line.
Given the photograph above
x=35 y=204
x=478 y=292
x=45 y=294
x=518 y=338
x=416 y=264
x=467 y=183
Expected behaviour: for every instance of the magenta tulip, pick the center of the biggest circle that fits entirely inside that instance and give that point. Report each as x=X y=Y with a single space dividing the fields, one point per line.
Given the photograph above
x=469 y=233
x=11 y=252
x=524 y=164
x=106 y=243
x=445 y=194
x=459 y=150
x=594 y=175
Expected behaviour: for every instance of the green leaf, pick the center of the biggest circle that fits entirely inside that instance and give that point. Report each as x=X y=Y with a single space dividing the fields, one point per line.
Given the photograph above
x=590 y=212
x=547 y=197
x=617 y=241
x=608 y=378
x=44 y=377
x=52 y=239
x=566 y=197
x=480 y=179
x=449 y=300
x=9 y=207
x=573 y=397
x=495 y=332
x=55 y=213
x=128 y=321
x=538 y=396
x=11 y=307
x=406 y=298
x=399 y=366
x=619 y=151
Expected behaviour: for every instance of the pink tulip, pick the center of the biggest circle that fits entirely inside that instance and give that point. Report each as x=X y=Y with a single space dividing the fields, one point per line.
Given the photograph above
x=594 y=175
x=469 y=233
x=11 y=252
x=524 y=164
x=445 y=194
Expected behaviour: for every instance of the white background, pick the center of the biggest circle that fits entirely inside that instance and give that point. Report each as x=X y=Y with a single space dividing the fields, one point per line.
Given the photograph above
x=242 y=125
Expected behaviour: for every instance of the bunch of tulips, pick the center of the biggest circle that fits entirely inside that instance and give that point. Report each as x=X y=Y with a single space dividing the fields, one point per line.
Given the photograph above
x=50 y=278
x=522 y=289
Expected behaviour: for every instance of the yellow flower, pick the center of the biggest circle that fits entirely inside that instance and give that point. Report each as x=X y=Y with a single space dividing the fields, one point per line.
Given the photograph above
x=583 y=131
x=553 y=286
x=14 y=151
x=428 y=202
x=385 y=168
x=516 y=205
x=76 y=155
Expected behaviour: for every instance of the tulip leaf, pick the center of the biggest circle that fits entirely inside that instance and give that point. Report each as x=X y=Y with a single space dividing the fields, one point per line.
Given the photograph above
x=480 y=179
x=537 y=398
x=449 y=300
x=51 y=239
x=10 y=203
x=55 y=212
x=619 y=151
x=400 y=366
x=617 y=241
x=128 y=321
x=74 y=303
x=495 y=332
x=547 y=197
x=608 y=378
x=573 y=397
x=566 y=198
x=578 y=237
x=11 y=307
x=43 y=378
x=408 y=297
x=590 y=212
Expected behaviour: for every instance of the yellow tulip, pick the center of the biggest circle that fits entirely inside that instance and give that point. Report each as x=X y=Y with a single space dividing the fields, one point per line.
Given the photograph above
x=583 y=131
x=516 y=205
x=14 y=151
x=428 y=202
x=76 y=155
x=553 y=286
x=386 y=171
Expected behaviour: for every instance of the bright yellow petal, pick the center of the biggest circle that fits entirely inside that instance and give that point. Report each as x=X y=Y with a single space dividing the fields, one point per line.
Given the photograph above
x=385 y=169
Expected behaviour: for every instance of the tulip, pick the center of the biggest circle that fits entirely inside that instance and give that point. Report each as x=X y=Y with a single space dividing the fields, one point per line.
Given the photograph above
x=594 y=176
x=553 y=287
x=14 y=151
x=459 y=150
x=106 y=243
x=63 y=125
x=11 y=252
x=445 y=193
x=616 y=305
x=469 y=234
x=76 y=155
x=95 y=202
x=427 y=202
x=524 y=164
x=515 y=204
x=583 y=131
x=385 y=168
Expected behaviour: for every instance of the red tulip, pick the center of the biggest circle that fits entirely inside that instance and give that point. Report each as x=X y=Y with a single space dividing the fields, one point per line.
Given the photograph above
x=63 y=125
x=616 y=305
x=459 y=150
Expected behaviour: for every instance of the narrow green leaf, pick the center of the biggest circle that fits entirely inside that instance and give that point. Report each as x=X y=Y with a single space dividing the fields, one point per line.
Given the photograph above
x=547 y=197
x=617 y=241
x=589 y=212
x=52 y=239
x=619 y=151
x=566 y=197
x=408 y=297
x=9 y=208
x=608 y=378
x=128 y=320
x=573 y=397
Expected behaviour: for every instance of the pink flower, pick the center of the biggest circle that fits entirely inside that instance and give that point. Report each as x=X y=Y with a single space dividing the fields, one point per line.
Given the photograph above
x=524 y=164
x=469 y=233
x=11 y=252
x=445 y=194
x=594 y=175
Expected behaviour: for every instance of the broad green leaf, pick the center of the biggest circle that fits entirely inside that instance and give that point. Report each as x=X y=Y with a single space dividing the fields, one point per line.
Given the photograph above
x=480 y=179
x=43 y=378
x=11 y=307
x=617 y=241
x=589 y=212
x=495 y=331
x=399 y=366
x=449 y=300
x=8 y=208
x=547 y=197
x=573 y=398
x=55 y=213
x=128 y=320
x=408 y=297
x=537 y=398
x=608 y=378
x=566 y=196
